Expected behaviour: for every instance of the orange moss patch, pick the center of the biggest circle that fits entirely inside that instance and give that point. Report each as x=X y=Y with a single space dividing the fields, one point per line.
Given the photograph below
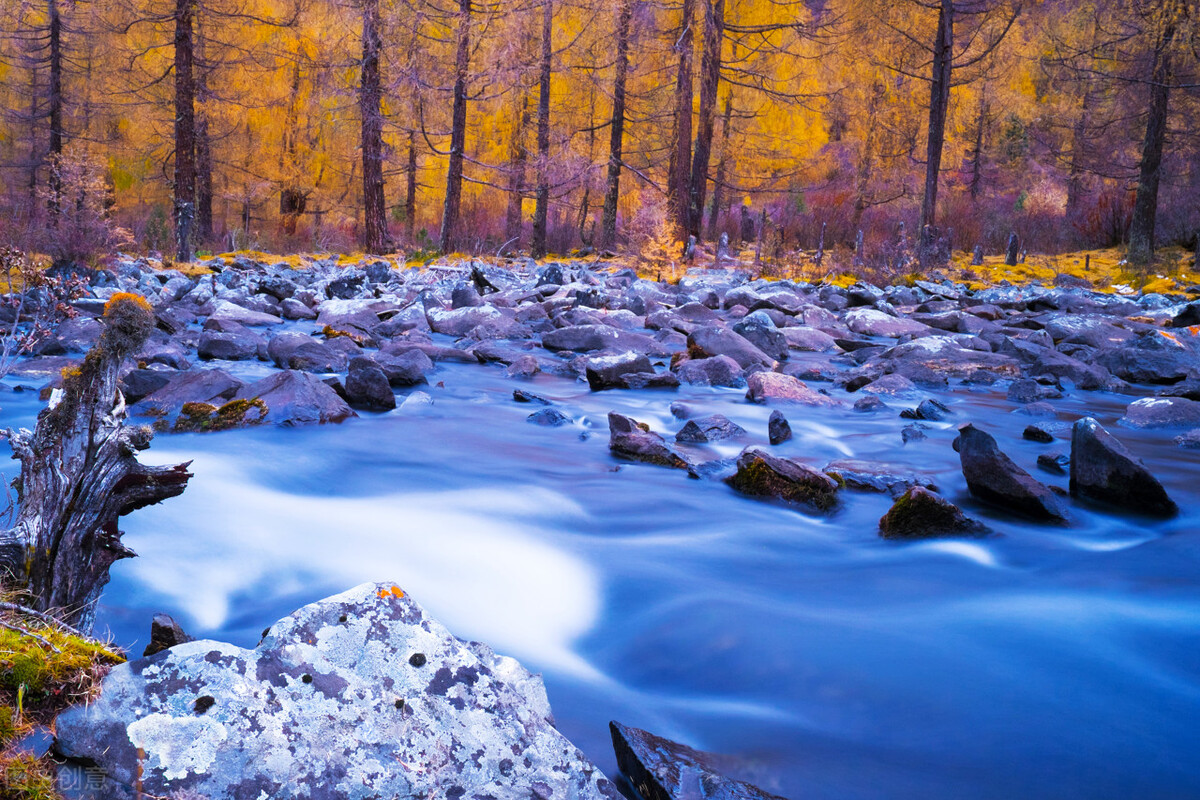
x=126 y=297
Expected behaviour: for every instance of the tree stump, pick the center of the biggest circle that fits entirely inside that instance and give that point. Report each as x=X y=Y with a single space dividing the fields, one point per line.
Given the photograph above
x=977 y=256
x=79 y=473
x=1013 y=251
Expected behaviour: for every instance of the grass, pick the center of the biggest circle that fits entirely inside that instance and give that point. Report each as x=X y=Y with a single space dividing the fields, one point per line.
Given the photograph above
x=43 y=670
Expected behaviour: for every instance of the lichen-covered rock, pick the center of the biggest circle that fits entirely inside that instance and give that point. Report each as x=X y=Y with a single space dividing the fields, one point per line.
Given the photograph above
x=357 y=696
x=1103 y=471
x=661 y=769
x=297 y=398
x=763 y=475
x=922 y=514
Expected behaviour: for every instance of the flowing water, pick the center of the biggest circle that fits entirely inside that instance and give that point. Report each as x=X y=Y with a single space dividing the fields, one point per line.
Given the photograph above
x=1037 y=663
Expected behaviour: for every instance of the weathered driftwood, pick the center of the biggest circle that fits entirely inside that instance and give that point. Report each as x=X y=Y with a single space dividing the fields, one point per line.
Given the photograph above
x=79 y=473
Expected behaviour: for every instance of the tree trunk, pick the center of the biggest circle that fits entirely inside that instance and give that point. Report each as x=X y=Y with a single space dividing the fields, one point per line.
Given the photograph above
x=410 y=189
x=185 y=131
x=35 y=155
x=719 y=181
x=939 y=105
x=710 y=80
x=204 y=165
x=866 y=158
x=458 y=128
x=518 y=159
x=681 y=155
x=56 y=104
x=291 y=197
x=79 y=474
x=537 y=247
x=612 y=194
x=370 y=100
x=977 y=154
x=1145 y=204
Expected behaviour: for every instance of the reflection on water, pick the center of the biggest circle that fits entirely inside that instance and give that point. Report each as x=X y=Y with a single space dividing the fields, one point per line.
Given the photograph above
x=1038 y=663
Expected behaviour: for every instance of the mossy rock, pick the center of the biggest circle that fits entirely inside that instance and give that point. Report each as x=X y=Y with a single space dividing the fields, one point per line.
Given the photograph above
x=922 y=514
x=205 y=417
x=762 y=475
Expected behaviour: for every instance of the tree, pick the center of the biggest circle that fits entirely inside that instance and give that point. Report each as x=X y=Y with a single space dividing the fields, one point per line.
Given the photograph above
x=458 y=127
x=370 y=101
x=538 y=245
x=185 y=130
x=710 y=79
x=678 y=172
x=612 y=194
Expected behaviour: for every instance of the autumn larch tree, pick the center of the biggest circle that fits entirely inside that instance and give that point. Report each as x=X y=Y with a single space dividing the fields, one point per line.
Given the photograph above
x=537 y=247
x=370 y=103
x=612 y=194
x=458 y=127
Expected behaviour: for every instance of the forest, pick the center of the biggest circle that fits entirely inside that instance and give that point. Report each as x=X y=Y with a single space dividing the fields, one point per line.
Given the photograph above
x=184 y=126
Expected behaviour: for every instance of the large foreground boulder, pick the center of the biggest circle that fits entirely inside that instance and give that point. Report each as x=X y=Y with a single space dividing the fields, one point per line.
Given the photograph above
x=357 y=696
x=994 y=478
x=1102 y=470
x=661 y=769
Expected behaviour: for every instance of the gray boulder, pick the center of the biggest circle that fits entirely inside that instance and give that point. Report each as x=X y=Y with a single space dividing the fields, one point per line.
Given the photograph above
x=1162 y=412
x=1103 y=471
x=212 y=386
x=233 y=346
x=358 y=696
x=994 y=478
x=709 y=342
x=715 y=371
x=607 y=371
x=764 y=387
x=713 y=428
x=778 y=428
x=367 y=387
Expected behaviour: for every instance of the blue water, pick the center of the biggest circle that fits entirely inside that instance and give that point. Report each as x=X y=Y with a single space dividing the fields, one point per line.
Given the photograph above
x=1037 y=663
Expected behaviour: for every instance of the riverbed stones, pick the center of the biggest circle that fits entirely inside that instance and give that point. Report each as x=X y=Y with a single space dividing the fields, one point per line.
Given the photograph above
x=661 y=769
x=761 y=474
x=367 y=388
x=1162 y=412
x=1104 y=471
x=994 y=478
x=607 y=371
x=713 y=428
x=330 y=704
x=714 y=341
x=922 y=514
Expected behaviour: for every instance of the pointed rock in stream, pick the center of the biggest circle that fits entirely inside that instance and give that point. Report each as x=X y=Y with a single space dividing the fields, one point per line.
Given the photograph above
x=922 y=514
x=358 y=696
x=634 y=440
x=1102 y=470
x=994 y=478
x=778 y=429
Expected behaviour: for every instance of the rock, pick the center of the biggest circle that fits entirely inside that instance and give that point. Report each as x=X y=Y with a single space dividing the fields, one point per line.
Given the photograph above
x=1030 y=391
x=921 y=514
x=225 y=311
x=778 y=429
x=335 y=702
x=714 y=371
x=763 y=475
x=1162 y=412
x=416 y=402
x=872 y=322
x=214 y=386
x=892 y=385
x=928 y=409
x=550 y=275
x=405 y=369
x=994 y=478
x=585 y=338
x=1055 y=462
x=297 y=398
x=279 y=288
x=775 y=386
x=758 y=329
x=633 y=440
x=367 y=388
x=661 y=769
x=809 y=340
x=165 y=633
x=294 y=350
x=294 y=309
x=235 y=346
x=712 y=341
x=868 y=404
x=346 y=287
x=1103 y=471
x=875 y=476
x=523 y=367
x=1189 y=316
x=1189 y=440
x=550 y=417
x=1158 y=357
x=709 y=429
x=913 y=433
x=460 y=321
x=1037 y=433
x=606 y=372
x=137 y=383
x=522 y=396
x=465 y=295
